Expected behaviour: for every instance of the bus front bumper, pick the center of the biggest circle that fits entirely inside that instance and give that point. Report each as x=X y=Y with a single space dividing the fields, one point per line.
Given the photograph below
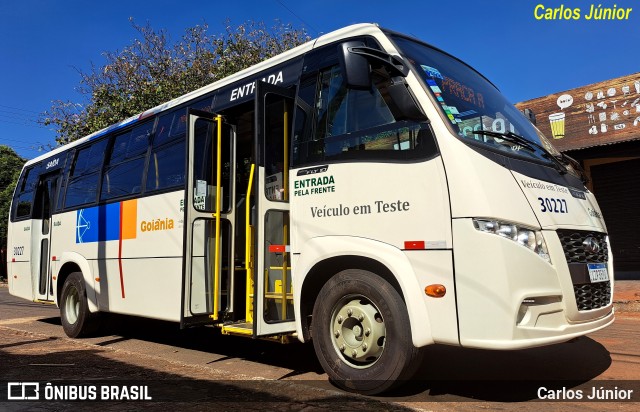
x=510 y=298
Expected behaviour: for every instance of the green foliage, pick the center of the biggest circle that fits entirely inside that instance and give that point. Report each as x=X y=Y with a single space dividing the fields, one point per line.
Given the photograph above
x=10 y=167
x=152 y=70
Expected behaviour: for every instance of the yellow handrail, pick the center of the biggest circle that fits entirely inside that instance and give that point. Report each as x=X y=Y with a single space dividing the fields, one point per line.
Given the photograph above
x=248 y=259
x=285 y=223
x=285 y=173
x=216 y=276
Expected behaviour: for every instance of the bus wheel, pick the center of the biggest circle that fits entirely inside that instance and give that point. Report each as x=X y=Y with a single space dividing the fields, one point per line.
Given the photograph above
x=361 y=333
x=77 y=321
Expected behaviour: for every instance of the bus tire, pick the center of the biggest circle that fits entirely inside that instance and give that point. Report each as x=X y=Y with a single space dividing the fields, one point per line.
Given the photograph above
x=361 y=334
x=77 y=321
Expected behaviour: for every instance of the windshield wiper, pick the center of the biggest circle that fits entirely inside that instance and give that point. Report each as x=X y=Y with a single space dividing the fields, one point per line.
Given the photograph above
x=570 y=161
x=519 y=140
x=509 y=136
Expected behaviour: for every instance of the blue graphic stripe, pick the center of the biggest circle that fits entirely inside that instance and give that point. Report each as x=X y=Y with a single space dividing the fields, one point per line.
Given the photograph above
x=98 y=224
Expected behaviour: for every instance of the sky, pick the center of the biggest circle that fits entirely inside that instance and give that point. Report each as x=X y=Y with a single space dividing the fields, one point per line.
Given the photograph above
x=43 y=43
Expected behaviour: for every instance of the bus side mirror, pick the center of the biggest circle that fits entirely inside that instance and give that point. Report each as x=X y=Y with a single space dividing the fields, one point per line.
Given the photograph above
x=403 y=104
x=355 y=67
x=355 y=62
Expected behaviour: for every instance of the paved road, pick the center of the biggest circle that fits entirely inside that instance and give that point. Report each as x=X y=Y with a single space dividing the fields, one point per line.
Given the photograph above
x=200 y=364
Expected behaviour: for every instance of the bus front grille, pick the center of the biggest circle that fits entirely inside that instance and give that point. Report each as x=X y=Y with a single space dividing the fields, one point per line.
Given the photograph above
x=588 y=296
x=574 y=249
x=592 y=295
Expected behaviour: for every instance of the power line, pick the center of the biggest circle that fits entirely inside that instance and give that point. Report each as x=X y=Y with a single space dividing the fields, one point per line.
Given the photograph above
x=28 y=148
x=23 y=123
x=298 y=17
x=17 y=108
x=6 y=139
x=22 y=119
x=35 y=146
x=22 y=115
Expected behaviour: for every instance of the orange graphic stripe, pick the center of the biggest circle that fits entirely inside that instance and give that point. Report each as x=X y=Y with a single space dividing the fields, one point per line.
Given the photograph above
x=129 y=218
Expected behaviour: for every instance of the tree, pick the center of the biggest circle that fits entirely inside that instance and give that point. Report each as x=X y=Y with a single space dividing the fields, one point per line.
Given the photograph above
x=152 y=70
x=10 y=167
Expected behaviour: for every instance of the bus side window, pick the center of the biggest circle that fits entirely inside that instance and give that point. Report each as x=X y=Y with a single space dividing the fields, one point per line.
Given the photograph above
x=64 y=172
x=82 y=186
x=89 y=159
x=166 y=129
x=125 y=166
x=274 y=150
x=302 y=148
x=166 y=164
x=341 y=110
x=357 y=124
x=24 y=194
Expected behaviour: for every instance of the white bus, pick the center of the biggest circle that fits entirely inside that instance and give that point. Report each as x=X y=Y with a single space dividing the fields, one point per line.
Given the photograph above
x=364 y=191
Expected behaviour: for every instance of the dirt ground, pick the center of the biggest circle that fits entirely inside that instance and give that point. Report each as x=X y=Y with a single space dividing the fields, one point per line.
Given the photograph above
x=626 y=296
x=170 y=384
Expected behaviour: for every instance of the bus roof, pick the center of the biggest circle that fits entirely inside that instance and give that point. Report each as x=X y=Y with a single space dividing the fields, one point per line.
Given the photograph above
x=349 y=31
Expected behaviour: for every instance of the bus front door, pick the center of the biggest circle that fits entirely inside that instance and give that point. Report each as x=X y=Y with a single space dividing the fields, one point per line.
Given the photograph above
x=273 y=304
x=209 y=217
x=41 y=237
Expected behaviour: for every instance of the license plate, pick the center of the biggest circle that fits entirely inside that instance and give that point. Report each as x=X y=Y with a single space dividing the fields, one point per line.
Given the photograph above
x=598 y=272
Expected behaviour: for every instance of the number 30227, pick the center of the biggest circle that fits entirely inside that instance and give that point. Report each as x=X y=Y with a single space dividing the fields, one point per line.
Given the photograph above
x=553 y=205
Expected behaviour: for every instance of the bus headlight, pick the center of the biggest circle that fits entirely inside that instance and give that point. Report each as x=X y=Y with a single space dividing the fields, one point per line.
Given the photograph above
x=530 y=238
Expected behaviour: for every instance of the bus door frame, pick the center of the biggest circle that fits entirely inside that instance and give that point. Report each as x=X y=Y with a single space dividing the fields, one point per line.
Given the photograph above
x=41 y=228
x=210 y=293
x=263 y=206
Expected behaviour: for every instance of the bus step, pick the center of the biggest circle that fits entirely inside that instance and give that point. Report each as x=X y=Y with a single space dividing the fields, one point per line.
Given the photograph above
x=244 y=329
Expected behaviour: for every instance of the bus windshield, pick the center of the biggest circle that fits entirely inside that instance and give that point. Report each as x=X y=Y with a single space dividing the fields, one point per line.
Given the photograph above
x=475 y=107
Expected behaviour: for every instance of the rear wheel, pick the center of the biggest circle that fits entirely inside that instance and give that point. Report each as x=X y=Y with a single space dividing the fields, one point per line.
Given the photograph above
x=361 y=333
x=77 y=321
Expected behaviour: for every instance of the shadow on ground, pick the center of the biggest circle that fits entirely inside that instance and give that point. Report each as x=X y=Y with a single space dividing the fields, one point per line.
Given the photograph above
x=447 y=373
x=295 y=356
x=63 y=365
x=451 y=373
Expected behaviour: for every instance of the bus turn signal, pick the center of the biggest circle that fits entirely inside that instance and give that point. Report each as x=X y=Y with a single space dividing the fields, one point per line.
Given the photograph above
x=435 y=291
